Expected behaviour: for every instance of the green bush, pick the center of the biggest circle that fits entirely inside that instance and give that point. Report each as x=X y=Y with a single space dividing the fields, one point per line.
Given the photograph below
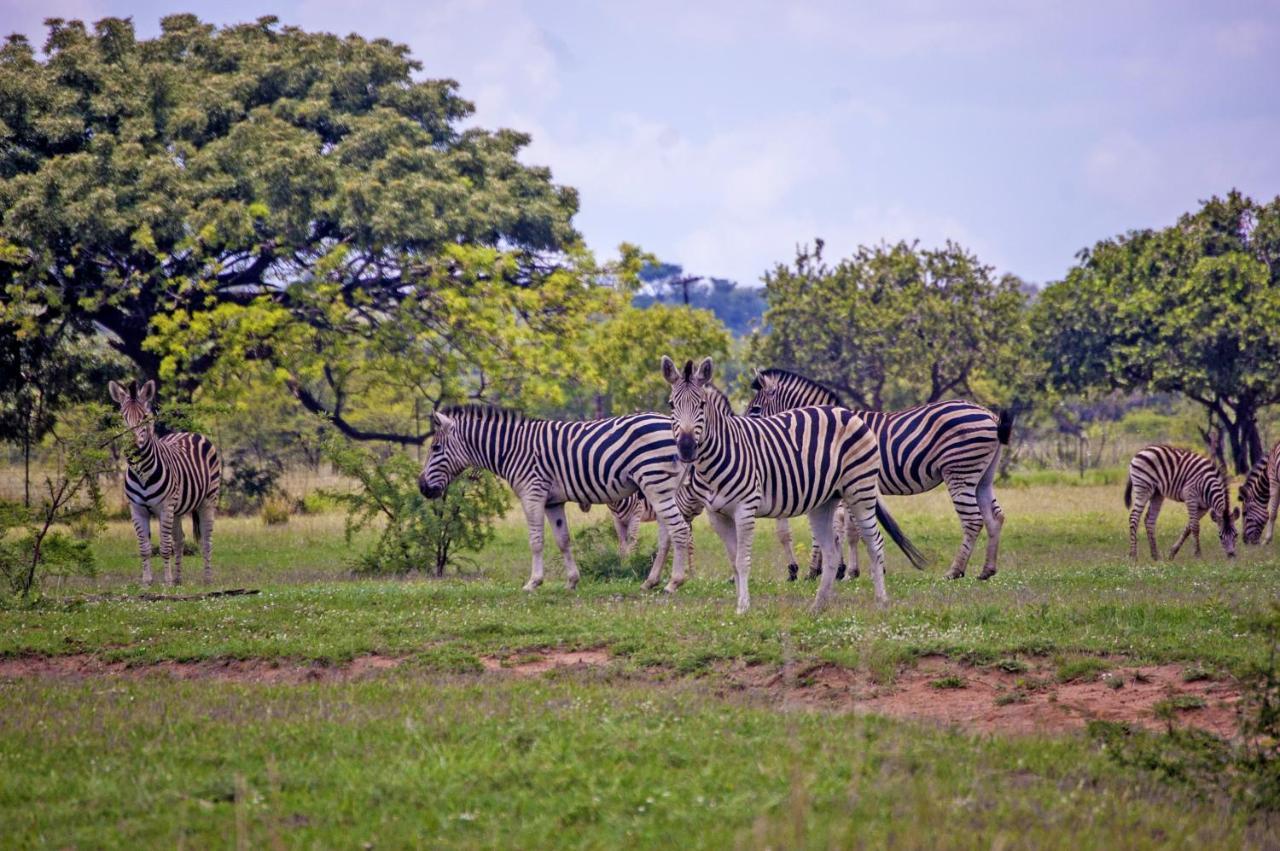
x=596 y=550
x=416 y=534
x=275 y=511
x=250 y=484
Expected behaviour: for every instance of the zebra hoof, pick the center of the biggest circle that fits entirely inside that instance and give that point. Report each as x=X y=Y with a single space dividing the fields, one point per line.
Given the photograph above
x=793 y=570
x=532 y=585
x=854 y=573
x=987 y=573
x=671 y=588
x=840 y=571
x=571 y=584
x=648 y=585
x=813 y=574
x=955 y=574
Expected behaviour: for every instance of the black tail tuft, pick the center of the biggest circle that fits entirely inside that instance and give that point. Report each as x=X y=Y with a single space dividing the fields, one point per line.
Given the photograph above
x=1004 y=427
x=195 y=524
x=1128 y=492
x=917 y=559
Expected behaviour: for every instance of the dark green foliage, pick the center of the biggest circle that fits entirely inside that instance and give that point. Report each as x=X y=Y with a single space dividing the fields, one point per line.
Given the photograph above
x=416 y=535
x=596 y=550
x=250 y=483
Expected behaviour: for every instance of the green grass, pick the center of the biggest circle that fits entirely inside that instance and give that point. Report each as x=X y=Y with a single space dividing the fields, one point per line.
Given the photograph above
x=439 y=753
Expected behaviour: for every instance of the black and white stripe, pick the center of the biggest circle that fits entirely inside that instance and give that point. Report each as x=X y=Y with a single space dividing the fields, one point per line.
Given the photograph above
x=1162 y=472
x=635 y=509
x=168 y=477
x=550 y=462
x=954 y=442
x=803 y=461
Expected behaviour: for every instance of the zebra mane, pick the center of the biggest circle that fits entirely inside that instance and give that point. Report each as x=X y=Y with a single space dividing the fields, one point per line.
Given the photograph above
x=478 y=411
x=775 y=372
x=1256 y=481
x=718 y=397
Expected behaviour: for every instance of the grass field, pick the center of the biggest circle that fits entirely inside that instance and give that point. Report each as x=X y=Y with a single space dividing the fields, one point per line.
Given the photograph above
x=656 y=747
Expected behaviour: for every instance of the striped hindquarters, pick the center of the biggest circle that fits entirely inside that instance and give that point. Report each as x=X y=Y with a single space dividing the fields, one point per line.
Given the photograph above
x=186 y=473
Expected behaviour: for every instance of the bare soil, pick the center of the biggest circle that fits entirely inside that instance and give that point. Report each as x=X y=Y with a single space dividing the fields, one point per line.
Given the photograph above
x=936 y=689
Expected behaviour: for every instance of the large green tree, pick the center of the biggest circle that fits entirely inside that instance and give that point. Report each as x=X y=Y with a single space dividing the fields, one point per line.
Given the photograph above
x=260 y=193
x=1192 y=309
x=894 y=325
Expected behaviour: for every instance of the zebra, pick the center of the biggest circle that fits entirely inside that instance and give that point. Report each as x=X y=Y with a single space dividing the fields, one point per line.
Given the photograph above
x=954 y=442
x=550 y=462
x=633 y=510
x=803 y=461
x=168 y=477
x=1160 y=471
x=1260 y=500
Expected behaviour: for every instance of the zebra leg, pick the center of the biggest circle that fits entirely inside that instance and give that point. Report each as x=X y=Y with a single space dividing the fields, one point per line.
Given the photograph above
x=1273 y=507
x=1193 y=523
x=142 y=528
x=206 y=513
x=824 y=537
x=179 y=539
x=1153 y=514
x=166 y=542
x=560 y=529
x=660 y=557
x=623 y=530
x=853 y=536
x=744 y=520
x=784 y=538
x=725 y=528
x=815 y=559
x=535 y=515
x=965 y=499
x=1140 y=498
x=680 y=536
x=992 y=517
x=864 y=514
x=840 y=531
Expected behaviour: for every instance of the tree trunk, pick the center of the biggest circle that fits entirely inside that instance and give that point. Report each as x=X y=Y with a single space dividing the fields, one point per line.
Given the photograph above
x=1250 y=439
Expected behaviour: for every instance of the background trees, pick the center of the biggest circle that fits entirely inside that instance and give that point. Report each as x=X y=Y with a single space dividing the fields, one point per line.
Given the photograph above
x=893 y=325
x=1192 y=309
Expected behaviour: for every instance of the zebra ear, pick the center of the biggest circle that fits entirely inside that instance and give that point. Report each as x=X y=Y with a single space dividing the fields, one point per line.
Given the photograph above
x=147 y=392
x=704 y=371
x=669 y=370
x=118 y=393
x=442 y=421
x=1235 y=513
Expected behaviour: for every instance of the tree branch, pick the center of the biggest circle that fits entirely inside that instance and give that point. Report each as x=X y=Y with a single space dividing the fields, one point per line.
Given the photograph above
x=315 y=406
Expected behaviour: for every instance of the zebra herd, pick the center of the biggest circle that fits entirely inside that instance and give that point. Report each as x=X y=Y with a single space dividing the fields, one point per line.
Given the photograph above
x=799 y=450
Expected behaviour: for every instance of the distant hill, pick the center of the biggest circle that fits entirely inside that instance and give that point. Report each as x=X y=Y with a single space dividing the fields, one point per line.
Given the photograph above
x=739 y=308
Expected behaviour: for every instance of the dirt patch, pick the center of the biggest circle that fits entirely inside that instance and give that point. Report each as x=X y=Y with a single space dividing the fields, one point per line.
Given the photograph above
x=84 y=666
x=990 y=700
x=529 y=664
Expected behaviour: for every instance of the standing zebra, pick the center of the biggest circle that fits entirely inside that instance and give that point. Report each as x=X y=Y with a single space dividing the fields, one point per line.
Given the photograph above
x=168 y=477
x=1261 y=499
x=550 y=462
x=1160 y=471
x=955 y=442
x=803 y=461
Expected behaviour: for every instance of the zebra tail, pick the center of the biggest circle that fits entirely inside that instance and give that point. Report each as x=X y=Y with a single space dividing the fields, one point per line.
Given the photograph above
x=1004 y=427
x=195 y=524
x=1128 y=491
x=890 y=525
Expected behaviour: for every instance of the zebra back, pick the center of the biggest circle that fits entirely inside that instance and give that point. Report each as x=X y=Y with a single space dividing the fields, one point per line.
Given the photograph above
x=1178 y=474
x=1255 y=495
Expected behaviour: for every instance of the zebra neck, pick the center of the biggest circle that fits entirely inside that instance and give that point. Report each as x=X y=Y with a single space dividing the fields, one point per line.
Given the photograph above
x=144 y=460
x=717 y=437
x=493 y=446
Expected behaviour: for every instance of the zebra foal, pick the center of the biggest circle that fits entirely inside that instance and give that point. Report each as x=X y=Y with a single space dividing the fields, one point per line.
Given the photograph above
x=168 y=477
x=804 y=461
x=550 y=462
x=955 y=442
x=1161 y=472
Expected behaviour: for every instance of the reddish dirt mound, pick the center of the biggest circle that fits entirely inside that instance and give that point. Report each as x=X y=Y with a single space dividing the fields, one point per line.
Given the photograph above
x=538 y=663
x=227 y=670
x=990 y=700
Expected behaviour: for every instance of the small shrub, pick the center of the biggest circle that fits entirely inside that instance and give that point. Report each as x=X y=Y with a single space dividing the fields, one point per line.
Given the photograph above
x=1014 y=696
x=1195 y=673
x=275 y=511
x=1085 y=669
x=251 y=482
x=1170 y=706
x=1113 y=681
x=595 y=548
x=950 y=681
x=1012 y=666
x=416 y=534
x=317 y=502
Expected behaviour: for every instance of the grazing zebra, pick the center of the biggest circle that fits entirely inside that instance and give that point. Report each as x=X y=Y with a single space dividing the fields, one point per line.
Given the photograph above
x=955 y=442
x=803 y=461
x=1159 y=472
x=550 y=462
x=168 y=477
x=1260 y=499
x=635 y=509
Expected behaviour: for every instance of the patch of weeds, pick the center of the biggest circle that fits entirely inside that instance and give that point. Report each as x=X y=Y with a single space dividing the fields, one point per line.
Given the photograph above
x=1017 y=695
x=449 y=660
x=1113 y=681
x=950 y=681
x=1195 y=673
x=1011 y=665
x=596 y=550
x=1141 y=677
x=1178 y=703
x=1084 y=669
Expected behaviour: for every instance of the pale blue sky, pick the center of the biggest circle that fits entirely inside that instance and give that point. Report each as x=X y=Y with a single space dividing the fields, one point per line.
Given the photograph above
x=720 y=134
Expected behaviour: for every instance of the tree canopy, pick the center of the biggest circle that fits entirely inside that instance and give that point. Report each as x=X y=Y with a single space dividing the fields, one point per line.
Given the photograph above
x=893 y=325
x=1192 y=309
x=269 y=194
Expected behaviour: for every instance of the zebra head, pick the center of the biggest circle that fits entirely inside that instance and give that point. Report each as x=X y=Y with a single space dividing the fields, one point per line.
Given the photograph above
x=688 y=404
x=1255 y=493
x=135 y=408
x=446 y=459
x=765 y=401
x=1225 y=517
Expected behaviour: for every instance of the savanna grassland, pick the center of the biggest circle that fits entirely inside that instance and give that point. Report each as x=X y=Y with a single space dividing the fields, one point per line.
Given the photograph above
x=250 y=719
